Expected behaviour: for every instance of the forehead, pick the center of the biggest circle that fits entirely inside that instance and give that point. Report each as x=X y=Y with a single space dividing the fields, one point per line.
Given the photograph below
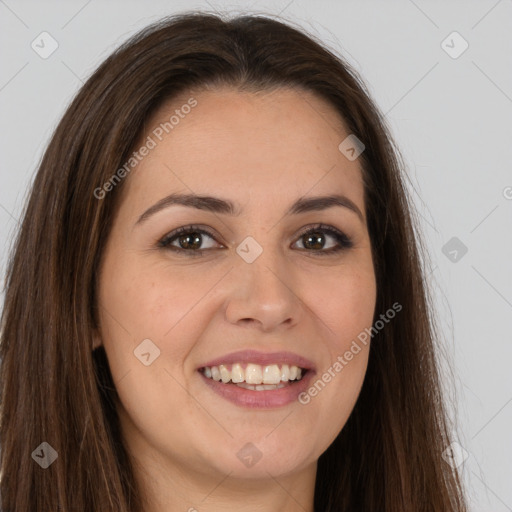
x=269 y=144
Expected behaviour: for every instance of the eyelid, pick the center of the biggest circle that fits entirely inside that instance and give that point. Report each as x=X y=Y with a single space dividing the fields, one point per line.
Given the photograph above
x=321 y=227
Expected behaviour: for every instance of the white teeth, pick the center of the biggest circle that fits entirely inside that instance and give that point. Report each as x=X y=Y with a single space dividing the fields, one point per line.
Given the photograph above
x=261 y=387
x=271 y=374
x=237 y=373
x=225 y=374
x=254 y=376
x=267 y=387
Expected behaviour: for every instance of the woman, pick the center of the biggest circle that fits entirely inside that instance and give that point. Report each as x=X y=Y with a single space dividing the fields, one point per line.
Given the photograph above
x=216 y=298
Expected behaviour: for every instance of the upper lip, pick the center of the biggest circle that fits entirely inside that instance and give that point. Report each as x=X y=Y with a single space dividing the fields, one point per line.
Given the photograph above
x=262 y=358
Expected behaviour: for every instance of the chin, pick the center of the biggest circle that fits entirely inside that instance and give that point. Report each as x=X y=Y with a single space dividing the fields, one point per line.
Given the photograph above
x=260 y=460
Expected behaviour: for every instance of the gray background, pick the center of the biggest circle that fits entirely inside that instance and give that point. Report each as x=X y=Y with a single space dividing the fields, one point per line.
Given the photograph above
x=451 y=119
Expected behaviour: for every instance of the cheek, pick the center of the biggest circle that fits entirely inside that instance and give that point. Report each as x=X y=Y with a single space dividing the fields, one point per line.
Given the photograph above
x=333 y=392
x=152 y=301
x=352 y=313
x=345 y=304
x=137 y=306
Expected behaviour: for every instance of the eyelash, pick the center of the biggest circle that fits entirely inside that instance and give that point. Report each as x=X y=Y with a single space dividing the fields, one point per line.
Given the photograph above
x=343 y=240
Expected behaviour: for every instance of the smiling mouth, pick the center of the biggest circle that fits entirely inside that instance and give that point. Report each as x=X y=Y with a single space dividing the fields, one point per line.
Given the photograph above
x=254 y=376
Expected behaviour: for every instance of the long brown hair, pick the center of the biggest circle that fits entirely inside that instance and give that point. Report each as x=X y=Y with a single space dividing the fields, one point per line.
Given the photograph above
x=55 y=389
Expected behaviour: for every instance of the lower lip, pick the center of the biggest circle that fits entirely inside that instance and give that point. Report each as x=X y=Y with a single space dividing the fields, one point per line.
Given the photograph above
x=266 y=399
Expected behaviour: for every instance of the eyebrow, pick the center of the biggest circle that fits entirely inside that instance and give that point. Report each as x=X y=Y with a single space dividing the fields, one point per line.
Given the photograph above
x=224 y=206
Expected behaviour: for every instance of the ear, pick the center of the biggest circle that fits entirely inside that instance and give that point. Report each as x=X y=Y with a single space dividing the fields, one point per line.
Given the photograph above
x=96 y=342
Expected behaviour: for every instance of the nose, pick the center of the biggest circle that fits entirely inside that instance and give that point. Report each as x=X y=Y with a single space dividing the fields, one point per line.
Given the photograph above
x=263 y=296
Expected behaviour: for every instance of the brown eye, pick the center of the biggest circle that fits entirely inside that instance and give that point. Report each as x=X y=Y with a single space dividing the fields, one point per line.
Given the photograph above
x=320 y=240
x=188 y=239
x=314 y=240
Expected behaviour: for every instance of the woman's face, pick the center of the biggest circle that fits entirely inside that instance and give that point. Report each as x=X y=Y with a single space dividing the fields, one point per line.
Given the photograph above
x=252 y=291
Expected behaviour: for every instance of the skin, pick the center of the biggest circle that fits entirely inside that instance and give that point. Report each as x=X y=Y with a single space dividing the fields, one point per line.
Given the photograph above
x=262 y=151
